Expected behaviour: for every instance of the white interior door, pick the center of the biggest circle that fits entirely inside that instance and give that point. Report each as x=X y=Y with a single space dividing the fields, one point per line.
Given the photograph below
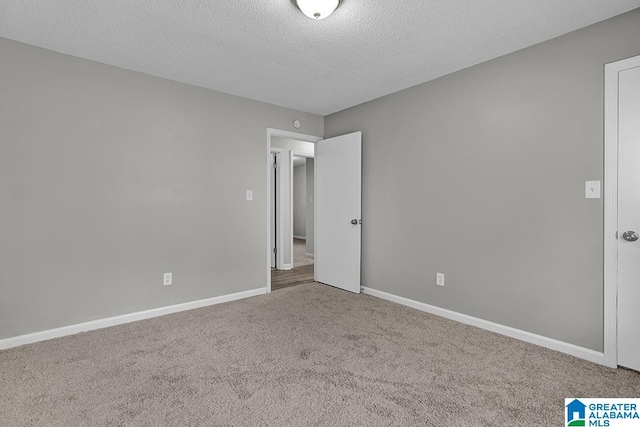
x=629 y=219
x=338 y=193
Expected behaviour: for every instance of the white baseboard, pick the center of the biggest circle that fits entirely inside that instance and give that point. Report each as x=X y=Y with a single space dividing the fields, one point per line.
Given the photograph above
x=287 y=266
x=310 y=254
x=125 y=318
x=300 y=237
x=561 y=346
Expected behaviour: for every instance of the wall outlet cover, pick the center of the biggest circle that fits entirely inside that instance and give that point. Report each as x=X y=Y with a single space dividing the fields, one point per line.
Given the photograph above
x=440 y=279
x=167 y=279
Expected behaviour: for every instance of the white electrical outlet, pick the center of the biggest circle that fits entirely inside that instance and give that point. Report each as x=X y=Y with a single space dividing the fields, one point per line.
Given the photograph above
x=440 y=279
x=168 y=279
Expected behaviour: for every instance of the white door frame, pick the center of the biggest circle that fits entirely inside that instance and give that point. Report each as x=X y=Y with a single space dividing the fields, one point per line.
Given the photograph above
x=293 y=153
x=611 y=77
x=279 y=152
x=282 y=134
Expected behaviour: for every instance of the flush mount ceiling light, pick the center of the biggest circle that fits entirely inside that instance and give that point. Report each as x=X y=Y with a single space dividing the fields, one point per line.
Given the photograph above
x=317 y=9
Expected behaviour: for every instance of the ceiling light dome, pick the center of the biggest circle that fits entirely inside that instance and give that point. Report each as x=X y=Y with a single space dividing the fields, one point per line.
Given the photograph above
x=317 y=9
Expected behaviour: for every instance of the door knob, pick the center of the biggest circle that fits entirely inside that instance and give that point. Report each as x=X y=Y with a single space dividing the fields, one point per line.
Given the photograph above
x=354 y=221
x=630 y=236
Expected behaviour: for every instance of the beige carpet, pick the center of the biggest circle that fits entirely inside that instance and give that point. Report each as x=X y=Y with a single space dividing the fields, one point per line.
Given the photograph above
x=299 y=250
x=306 y=355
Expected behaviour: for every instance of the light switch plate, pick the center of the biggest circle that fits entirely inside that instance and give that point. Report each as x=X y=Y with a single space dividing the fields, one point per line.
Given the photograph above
x=249 y=194
x=592 y=190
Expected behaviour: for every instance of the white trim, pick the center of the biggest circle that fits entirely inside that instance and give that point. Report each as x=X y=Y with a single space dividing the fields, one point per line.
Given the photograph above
x=563 y=347
x=284 y=134
x=611 y=73
x=279 y=152
x=610 y=215
x=315 y=214
x=300 y=237
x=287 y=266
x=125 y=318
x=310 y=255
x=292 y=135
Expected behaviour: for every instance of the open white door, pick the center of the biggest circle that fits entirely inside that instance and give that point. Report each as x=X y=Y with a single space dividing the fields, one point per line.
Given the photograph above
x=338 y=193
x=629 y=219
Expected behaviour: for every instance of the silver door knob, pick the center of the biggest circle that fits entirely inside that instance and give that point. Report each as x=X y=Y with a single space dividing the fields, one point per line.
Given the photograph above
x=354 y=221
x=630 y=236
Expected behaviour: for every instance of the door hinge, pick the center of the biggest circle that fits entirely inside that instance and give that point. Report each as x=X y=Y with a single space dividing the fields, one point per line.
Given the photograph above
x=275 y=165
x=275 y=250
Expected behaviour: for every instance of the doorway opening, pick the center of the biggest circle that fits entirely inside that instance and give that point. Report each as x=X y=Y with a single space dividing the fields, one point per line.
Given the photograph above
x=291 y=208
x=337 y=207
x=302 y=212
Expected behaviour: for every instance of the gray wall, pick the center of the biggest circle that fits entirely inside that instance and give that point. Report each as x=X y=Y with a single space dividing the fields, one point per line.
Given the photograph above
x=480 y=175
x=310 y=209
x=300 y=201
x=109 y=178
x=288 y=145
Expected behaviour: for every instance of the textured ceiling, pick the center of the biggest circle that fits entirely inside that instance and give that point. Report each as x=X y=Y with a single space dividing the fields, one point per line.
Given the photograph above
x=269 y=51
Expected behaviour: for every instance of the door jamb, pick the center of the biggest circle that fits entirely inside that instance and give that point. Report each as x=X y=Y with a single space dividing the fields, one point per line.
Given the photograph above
x=279 y=254
x=283 y=134
x=308 y=156
x=611 y=81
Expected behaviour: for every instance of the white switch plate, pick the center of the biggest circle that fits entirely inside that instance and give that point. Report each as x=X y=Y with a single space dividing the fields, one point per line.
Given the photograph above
x=168 y=279
x=440 y=279
x=592 y=190
x=249 y=194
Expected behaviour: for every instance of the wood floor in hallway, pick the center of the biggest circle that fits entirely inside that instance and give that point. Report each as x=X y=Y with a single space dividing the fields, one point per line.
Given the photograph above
x=296 y=276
